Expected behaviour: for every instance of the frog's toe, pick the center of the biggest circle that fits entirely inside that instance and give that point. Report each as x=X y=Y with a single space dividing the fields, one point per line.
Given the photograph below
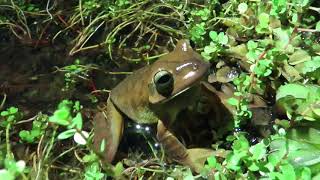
x=197 y=157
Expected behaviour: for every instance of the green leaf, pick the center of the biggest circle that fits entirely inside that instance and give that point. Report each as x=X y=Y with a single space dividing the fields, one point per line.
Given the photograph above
x=295 y=18
x=316 y=110
x=305 y=173
x=65 y=104
x=311 y=65
x=20 y=166
x=90 y=158
x=233 y=161
x=264 y=20
x=233 y=101
x=203 y=13
x=213 y=35
x=278 y=7
x=118 y=169
x=241 y=144
x=5 y=174
x=77 y=121
x=55 y=119
x=61 y=116
x=283 y=38
x=299 y=56
x=252 y=45
x=209 y=49
x=318 y=26
x=258 y=151
x=93 y=172
x=13 y=110
x=35 y=132
x=270 y=166
x=305 y=134
x=242 y=8
x=212 y=161
x=253 y=166
x=77 y=106
x=304 y=3
x=67 y=134
x=222 y=38
x=4 y=113
x=11 y=118
x=26 y=136
x=290 y=73
x=297 y=91
x=299 y=153
x=197 y=31
x=288 y=172
x=276 y=175
x=24 y=133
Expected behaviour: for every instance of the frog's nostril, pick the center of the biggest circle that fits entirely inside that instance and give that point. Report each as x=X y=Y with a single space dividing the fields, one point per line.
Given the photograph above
x=163 y=81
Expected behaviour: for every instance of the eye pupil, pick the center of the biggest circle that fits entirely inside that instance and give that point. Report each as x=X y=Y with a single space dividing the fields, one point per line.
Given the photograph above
x=163 y=81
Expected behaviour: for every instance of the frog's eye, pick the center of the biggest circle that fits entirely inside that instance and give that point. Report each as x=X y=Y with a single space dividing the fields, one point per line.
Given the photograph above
x=163 y=80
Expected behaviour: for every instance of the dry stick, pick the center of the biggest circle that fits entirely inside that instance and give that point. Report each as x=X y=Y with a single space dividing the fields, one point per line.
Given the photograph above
x=67 y=27
x=80 y=9
x=130 y=34
x=3 y=101
x=11 y=25
x=62 y=154
x=23 y=21
x=77 y=171
x=82 y=37
x=41 y=34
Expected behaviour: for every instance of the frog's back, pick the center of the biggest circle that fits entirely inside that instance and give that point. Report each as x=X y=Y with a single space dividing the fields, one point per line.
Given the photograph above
x=131 y=97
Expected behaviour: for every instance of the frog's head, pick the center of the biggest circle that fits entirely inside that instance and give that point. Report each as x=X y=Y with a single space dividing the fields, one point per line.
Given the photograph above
x=176 y=72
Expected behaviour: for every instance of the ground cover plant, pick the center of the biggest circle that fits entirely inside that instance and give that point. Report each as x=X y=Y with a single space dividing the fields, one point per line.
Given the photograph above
x=60 y=59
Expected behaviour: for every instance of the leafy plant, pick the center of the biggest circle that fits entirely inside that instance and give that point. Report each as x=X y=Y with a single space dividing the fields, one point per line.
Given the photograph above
x=300 y=104
x=39 y=126
x=74 y=73
x=217 y=45
x=9 y=116
x=12 y=169
x=245 y=161
x=63 y=116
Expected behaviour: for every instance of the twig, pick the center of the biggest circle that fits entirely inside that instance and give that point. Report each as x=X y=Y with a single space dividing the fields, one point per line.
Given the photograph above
x=47 y=9
x=27 y=120
x=3 y=101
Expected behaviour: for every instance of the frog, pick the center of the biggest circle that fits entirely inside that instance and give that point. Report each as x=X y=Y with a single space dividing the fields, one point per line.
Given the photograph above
x=155 y=94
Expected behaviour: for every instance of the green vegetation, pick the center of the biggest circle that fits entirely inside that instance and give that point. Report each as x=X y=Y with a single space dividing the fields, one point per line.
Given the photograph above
x=274 y=45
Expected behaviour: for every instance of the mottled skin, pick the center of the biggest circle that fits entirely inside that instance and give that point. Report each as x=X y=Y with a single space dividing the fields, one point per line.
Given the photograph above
x=137 y=98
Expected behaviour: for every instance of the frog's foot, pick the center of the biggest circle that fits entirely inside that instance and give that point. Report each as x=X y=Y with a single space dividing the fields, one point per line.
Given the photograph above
x=108 y=128
x=197 y=157
x=194 y=158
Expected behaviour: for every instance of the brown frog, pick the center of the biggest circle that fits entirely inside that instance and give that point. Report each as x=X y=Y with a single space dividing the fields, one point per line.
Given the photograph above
x=154 y=94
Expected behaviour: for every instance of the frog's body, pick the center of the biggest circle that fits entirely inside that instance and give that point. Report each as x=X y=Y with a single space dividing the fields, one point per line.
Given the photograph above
x=153 y=94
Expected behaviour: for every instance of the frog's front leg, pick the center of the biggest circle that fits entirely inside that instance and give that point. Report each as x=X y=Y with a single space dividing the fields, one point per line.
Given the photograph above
x=108 y=128
x=194 y=158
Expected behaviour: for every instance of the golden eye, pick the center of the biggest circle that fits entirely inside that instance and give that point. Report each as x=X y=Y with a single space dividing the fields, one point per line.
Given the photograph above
x=163 y=81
